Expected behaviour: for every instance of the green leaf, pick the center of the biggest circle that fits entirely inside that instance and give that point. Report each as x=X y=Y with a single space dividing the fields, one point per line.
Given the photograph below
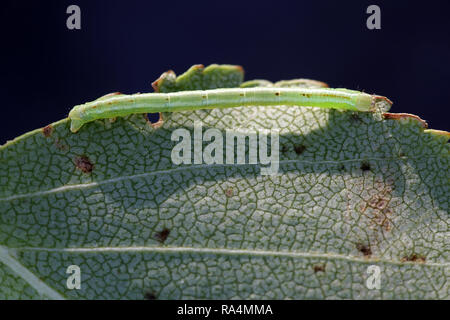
x=353 y=190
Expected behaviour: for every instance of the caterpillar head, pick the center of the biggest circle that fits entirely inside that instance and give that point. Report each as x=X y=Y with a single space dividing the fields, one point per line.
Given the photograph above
x=363 y=102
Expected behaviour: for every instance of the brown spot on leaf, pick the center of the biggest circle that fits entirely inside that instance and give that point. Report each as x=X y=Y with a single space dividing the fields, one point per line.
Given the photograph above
x=364 y=249
x=47 y=131
x=84 y=164
x=229 y=192
x=60 y=145
x=377 y=209
x=157 y=83
x=319 y=268
x=299 y=148
x=401 y=116
x=277 y=93
x=414 y=258
x=162 y=235
x=377 y=202
x=150 y=295
x=365 y=166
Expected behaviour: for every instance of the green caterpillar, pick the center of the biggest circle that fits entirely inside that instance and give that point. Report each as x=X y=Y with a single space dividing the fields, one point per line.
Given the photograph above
x=112 y=106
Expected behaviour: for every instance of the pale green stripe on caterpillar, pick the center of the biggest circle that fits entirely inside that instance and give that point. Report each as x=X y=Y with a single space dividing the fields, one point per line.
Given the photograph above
x=112 y=106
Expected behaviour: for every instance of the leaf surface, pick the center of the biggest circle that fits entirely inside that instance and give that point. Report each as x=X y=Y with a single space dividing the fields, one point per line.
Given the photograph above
x=353 y=190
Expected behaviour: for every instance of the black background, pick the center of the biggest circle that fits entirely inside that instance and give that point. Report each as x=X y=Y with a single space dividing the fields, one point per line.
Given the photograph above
x=125 y=45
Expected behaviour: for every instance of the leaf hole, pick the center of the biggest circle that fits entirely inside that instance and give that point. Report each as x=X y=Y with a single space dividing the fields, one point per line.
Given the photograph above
x=154 y=119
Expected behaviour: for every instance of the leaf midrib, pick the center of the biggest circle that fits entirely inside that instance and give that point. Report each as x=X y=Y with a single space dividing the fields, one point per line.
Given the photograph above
x=224 y=251
x=16 y=267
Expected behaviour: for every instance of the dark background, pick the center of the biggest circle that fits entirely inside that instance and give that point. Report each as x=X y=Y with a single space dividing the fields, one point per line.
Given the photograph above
x=125 y=45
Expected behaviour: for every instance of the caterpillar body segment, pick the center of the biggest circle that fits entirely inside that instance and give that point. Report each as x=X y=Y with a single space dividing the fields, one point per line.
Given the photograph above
x=118 y=105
